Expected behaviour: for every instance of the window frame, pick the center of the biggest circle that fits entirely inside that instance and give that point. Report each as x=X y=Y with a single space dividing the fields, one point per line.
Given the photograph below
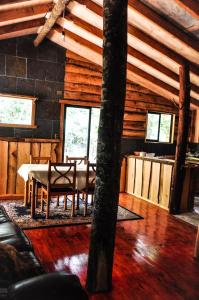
x=172 y=126
x=33 y=112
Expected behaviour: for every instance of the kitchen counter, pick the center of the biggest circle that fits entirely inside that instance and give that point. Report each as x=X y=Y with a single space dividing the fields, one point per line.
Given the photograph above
x=150 y=178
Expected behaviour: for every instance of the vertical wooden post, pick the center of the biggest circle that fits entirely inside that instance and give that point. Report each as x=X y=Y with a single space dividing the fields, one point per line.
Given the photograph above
x=100 y=264
x=183 y=128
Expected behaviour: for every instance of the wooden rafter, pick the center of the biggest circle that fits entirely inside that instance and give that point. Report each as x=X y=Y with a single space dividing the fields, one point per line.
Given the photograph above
x=93 y=53
x=56 y=12
x=164 y=30
x=159 y=28
x=24 y=14
x=151 y=47
x=13 y=30
x=81 y=28
x=17 y=4
x=192 y=6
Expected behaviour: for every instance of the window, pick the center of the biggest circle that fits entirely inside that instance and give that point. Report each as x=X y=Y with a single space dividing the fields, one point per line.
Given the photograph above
x=17 y=111
x=160 y=127
x=81 y=132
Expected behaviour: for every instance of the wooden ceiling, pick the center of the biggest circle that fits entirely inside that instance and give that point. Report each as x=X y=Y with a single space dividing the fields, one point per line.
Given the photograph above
x=161 y=35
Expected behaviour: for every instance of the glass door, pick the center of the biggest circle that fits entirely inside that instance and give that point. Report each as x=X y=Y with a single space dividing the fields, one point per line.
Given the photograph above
x=76 y=131
x=81 y=132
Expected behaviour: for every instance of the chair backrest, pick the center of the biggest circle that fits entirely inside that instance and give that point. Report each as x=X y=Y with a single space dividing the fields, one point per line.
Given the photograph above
x=90 y=175
x=61 y=175
x=78 y=160
x=39 y=159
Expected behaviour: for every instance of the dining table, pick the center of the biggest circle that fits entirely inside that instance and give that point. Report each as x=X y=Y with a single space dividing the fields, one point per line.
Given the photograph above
x=39 y=173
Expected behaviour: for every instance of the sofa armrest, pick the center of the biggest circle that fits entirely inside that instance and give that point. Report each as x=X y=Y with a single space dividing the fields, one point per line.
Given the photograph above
x=51 y=286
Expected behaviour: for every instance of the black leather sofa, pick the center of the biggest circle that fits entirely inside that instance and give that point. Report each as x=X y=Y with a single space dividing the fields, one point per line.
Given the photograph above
x=49 y=286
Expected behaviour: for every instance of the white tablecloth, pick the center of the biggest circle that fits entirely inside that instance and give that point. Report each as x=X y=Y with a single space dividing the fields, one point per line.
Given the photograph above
x=40 y=173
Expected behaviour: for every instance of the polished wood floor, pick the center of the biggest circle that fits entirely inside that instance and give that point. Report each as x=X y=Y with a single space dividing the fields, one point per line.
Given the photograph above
x=153 y=256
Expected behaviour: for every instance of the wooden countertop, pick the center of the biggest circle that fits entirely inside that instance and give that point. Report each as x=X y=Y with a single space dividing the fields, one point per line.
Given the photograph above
x=189 y=161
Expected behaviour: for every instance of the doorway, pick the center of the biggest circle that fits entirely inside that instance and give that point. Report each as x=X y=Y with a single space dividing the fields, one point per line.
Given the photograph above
x=81 y=131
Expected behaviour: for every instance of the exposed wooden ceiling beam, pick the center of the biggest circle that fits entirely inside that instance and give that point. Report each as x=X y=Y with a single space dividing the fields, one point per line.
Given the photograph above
x=54 y=15
x=24 y=14
x=9 y=5
x=136 y=58
x=162 y=30
x=94 y=54
x=140 y=40
x=192 y=6
x=23 y=28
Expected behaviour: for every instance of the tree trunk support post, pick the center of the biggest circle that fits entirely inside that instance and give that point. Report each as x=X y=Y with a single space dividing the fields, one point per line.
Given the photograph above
x=182 y=138
x=100 y=262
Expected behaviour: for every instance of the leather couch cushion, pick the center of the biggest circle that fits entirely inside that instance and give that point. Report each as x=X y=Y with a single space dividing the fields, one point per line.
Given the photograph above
x=11 y=234
x=29 y=256
x=3 y=216
x=15 y=266
x=52 y=286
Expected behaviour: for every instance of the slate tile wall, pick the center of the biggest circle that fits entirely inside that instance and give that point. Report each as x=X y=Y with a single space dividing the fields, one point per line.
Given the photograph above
x=31 y=71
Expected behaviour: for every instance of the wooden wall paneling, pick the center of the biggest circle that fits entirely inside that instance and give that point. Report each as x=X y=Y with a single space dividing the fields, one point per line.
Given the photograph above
x=78 y=69
x=165 y=184
x=45 y=150
x=12 y=167
x=123 y=176
x=138 y=179
x=54 y=152
x=35 y=149
x=3 y=166
x=23 y=157
x=146 y=178
x=130 y=176
x=154 y=186
x=81 y=87
x=83 y=81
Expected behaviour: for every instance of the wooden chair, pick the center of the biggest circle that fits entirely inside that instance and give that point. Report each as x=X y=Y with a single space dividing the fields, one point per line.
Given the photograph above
x=89 y=187
x=78 y=160
x=56 y=187
x=36 y=160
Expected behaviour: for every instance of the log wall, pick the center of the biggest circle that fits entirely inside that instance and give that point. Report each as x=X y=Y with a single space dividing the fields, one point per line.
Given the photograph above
x=14 y=153
x=82 y=87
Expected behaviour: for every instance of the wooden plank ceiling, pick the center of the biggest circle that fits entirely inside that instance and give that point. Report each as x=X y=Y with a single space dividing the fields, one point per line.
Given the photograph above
x=161 y=35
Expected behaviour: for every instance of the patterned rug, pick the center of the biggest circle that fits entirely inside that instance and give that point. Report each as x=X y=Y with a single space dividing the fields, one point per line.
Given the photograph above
x=58 y=216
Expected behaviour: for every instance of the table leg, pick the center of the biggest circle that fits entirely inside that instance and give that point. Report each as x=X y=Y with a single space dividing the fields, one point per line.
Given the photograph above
x=33 y=199
x=26 y=184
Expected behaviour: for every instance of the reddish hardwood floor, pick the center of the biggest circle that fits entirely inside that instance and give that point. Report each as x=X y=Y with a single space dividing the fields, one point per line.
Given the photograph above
x=153 y=256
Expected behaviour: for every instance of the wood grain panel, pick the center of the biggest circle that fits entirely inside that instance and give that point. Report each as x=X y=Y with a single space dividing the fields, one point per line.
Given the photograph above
x=3 y=166
x=15 y=153
x=165 y=184
x=154 y=184
x=12 y=167
x=130 y=175
x=23 y=157
x=146 y=178
x=138 y=178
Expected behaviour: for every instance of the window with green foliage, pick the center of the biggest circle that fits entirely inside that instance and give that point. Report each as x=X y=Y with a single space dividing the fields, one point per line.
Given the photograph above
x=159 y=127
x=81 y=131
x=17 y=111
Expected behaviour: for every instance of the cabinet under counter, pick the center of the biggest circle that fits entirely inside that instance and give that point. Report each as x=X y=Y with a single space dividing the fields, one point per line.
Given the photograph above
x=150 y=179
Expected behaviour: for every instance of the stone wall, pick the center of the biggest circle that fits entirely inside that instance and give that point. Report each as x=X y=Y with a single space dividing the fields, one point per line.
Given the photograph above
x=39 y=72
